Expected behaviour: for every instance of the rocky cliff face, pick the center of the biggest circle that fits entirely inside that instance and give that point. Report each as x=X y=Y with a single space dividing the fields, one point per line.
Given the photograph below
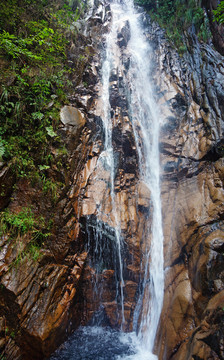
x=191 y=95
x=42 y=301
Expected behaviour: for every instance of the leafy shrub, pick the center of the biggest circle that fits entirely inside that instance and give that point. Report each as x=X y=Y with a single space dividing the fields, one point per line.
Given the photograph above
x=17 y=225
x=15 y=47
x=219 y=13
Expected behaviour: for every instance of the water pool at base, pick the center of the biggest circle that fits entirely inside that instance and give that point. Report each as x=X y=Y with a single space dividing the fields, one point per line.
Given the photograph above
x=97 y=343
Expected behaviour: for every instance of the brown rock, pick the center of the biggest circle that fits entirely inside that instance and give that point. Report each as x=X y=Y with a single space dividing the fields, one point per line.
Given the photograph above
x=69 y=115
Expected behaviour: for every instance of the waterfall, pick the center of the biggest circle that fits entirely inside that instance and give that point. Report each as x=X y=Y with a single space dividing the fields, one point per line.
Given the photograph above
x=145 y=118
x=105 y=236
x=108 y=148
x=145 y=115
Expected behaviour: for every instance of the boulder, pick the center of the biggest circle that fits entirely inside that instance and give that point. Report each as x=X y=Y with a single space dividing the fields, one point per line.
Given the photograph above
x=71 y=116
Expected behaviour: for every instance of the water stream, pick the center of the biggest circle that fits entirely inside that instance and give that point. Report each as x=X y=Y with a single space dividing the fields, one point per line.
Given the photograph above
x=108 y=146
x=95 y=342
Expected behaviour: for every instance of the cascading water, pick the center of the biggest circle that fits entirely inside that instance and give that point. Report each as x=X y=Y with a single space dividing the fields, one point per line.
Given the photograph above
x=144 y=117
x=107 y=68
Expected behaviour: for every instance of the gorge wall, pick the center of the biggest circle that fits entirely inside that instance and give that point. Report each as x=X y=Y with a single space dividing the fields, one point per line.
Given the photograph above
x=42 y=301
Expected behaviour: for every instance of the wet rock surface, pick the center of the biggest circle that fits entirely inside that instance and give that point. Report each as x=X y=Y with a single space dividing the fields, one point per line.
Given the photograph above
x=42 y=301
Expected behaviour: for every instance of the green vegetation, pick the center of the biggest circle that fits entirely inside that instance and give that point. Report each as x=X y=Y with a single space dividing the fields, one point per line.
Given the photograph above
x=35 y=37
x=17 y=224
x=34 y=80
x=176 y=17
x=219 y=13
x=12 y=334
x=24 y=223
